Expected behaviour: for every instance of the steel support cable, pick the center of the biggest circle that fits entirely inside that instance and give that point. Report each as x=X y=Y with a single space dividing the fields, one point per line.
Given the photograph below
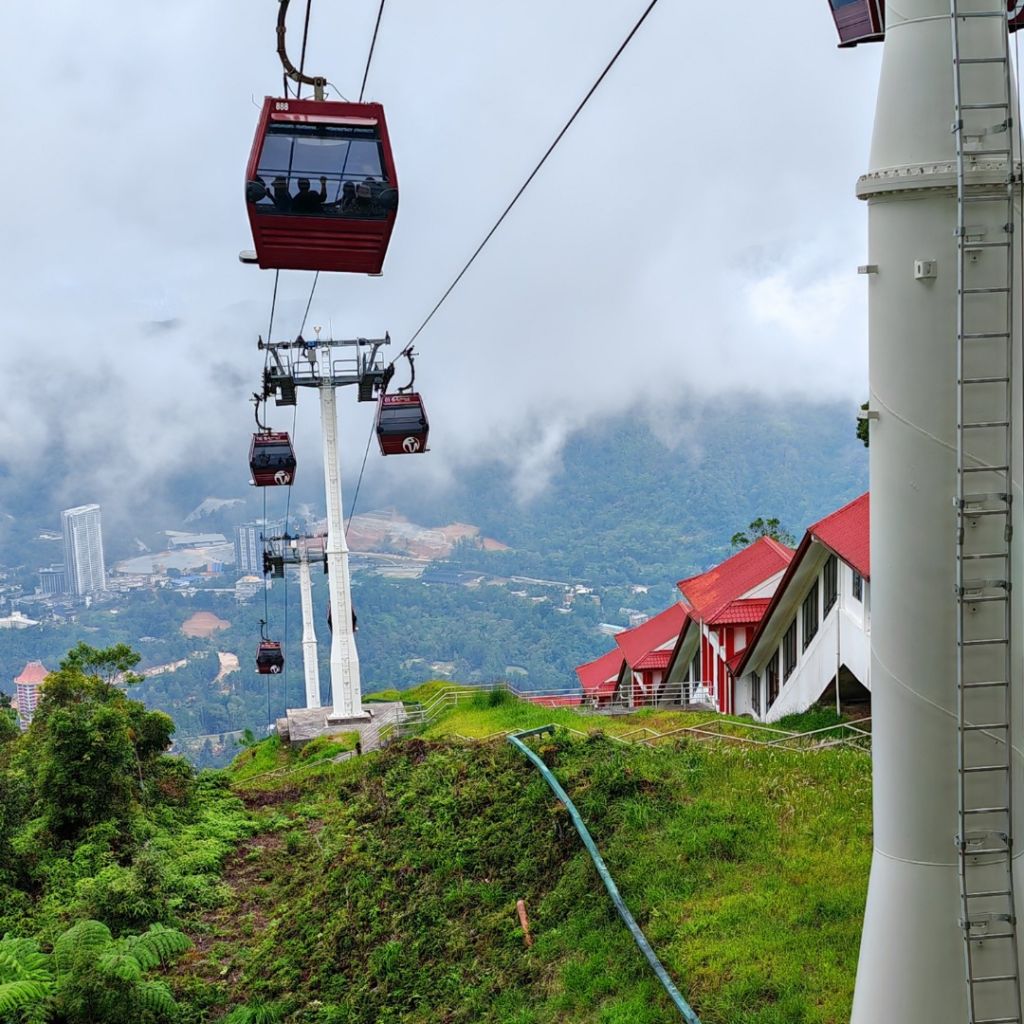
x=369 y=56
x=359 y=483
x=515 y=199
x=533 y=174
x=684 y=1008
x=302 y=55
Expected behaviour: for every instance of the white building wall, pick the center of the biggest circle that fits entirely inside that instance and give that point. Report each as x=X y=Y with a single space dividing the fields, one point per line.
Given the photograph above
x=843 y=638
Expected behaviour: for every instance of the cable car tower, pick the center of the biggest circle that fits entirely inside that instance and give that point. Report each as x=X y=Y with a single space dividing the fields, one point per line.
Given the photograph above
x=296 y=550
x=326 y=365
x=940 y=937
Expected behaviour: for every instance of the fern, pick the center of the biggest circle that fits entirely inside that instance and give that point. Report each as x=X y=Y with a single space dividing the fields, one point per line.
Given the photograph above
x=121 y=965
x=20 y=995
x=20 y=960
x=256 y=1012
x=155 y=997
x=156 y=946
x=80 y=943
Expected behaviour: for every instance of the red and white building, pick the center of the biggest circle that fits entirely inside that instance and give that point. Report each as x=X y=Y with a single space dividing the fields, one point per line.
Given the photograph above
x=26 y=690
x=600 y=678
x=816 y=632
x=724 y=607
x=768 y=632
x=647 y=650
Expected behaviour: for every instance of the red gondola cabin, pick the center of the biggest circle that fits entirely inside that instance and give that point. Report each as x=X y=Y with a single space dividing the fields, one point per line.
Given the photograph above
x=269 y=659
x=402 y=425
x=863 y=21
x=859 y=21
x=272 y=459
x=321 y=187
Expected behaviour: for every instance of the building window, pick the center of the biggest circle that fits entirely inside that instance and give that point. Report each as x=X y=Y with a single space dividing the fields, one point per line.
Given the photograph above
x=810 y=615
x=755 y=693
x=789 y=651
x=830 y=577
x=771 y=678
x=858 y=585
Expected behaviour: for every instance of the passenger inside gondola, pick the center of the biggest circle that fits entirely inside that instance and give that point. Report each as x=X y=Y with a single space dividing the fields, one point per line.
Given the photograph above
x=273 y=456
x=344 y=159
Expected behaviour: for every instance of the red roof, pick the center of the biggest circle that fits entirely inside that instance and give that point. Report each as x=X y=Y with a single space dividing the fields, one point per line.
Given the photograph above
x=734 y=661
x=602 y=674
x=711 y=591
x=655 y=659
x=744 y=611
x=664 y=628
x=33 y=672
x=847 y=533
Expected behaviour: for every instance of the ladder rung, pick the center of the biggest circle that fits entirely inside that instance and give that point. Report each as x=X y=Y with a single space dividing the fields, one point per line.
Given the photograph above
x=985 y=106
x=987 y=642
x=984 y=685
x=974 y=513
x=981 y=14
x=988 y=152
x=997 y=1020
x=979 y=60
x=987 y=554
x=985 y=469
x=982 y=335
x=987 y=810
x=982 y=291
x=991 y=197
x=982 y=598
x=985 y=380
x=986 y=727
x=994 y=977
x=987 y=895
x=986 y=245
x=987 y=851
x=989 y=938
x=987 y=768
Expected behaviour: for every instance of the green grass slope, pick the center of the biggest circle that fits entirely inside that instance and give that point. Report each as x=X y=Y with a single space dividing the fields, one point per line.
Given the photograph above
x=383 y=889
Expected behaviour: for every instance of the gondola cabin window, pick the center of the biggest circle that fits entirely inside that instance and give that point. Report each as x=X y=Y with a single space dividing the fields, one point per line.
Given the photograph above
x=332 y=170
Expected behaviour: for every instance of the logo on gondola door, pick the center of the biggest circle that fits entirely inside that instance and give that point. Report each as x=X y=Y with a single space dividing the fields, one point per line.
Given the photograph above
x=275 y=669
x=281 y=477
x=411 y=444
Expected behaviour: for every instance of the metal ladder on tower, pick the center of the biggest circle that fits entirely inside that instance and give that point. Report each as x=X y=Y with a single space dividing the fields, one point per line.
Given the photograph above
x=984 y=131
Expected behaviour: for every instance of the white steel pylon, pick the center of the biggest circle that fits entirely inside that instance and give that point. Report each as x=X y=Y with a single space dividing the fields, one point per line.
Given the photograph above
x=310 y=661
x=327 y=364
x=346 y=692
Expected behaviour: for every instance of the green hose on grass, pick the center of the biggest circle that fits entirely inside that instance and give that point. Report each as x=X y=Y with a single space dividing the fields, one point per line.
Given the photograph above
x=516 y=739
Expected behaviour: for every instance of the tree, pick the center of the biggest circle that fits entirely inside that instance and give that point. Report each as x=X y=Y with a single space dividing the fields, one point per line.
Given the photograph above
x=863 y=433
x=90 y=749
x=90 y=977
x=761 y=527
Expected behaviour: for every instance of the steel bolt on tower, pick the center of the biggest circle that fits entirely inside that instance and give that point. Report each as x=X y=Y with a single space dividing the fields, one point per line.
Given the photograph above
x=286 y=550
x=944 y=327
x=315 y=364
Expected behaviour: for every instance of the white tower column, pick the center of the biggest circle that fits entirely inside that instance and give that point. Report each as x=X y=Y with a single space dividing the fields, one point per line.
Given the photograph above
x=911 y=967
x=346 y=694
x=310 y=664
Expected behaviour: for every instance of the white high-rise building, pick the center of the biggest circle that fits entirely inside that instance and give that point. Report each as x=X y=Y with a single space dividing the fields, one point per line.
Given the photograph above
x=249 y=544
x=83 y=549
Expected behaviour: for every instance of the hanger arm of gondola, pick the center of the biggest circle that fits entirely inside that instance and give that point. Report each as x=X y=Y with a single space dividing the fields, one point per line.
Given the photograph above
x=318 y=83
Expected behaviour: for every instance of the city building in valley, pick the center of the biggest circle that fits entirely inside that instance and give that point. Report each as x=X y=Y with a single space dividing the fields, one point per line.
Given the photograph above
x=83 y=550
x=26 y=690
x=249 y=544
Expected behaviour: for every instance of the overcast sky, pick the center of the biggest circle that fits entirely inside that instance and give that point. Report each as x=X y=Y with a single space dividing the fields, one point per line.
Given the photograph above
x=696 y=232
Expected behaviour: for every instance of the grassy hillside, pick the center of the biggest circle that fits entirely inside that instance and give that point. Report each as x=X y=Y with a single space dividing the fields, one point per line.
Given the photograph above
x=383 y=889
